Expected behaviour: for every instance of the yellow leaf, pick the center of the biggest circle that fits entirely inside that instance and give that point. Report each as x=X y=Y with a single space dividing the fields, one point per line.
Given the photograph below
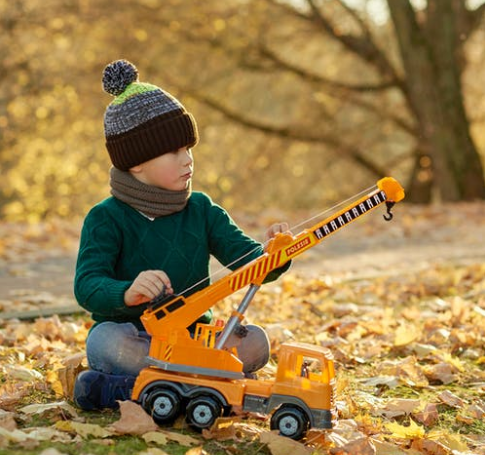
x=83 y=429
x=453 y=442
x=156 y=437
x=400 y=431
x=182 y=439
x=405 y=334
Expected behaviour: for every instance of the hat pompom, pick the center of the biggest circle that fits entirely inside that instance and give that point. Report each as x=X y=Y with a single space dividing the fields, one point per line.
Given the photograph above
x=118 y=75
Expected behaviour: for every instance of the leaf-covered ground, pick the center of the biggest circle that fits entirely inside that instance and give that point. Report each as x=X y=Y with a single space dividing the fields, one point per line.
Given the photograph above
x=401 y=305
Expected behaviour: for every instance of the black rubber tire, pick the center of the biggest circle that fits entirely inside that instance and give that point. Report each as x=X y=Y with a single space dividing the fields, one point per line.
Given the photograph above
x=290 y=421
x=202 y=412
x=164 y=405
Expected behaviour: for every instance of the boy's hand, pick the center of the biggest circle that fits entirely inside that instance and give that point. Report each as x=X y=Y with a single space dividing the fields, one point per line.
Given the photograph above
x=275 y=229
x=147 y=285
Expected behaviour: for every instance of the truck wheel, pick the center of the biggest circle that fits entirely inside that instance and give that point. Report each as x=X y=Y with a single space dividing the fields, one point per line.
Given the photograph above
x=202 y=412
x=290 y=422
x=163 y=405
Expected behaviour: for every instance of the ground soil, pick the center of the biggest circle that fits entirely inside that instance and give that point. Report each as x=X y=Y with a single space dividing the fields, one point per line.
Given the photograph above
x=417 y=238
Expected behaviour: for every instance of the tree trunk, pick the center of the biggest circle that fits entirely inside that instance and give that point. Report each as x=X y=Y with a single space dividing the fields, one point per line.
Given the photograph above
x=434 y=94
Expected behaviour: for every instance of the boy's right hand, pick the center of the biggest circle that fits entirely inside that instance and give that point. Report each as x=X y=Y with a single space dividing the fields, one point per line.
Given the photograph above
x=147 y=285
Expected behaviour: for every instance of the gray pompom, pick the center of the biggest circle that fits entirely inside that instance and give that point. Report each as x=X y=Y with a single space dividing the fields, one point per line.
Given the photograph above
x=118 y=75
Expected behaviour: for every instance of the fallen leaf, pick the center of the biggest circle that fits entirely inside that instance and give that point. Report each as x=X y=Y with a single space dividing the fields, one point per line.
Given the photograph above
x=454 y=442
x=14 y=435
x=83 y=429
x=21 y=373
x=196 y=451
x=155 y=437
x=222 y=430
x=429 y=447
x=442 y=372
x=7 y=420
x=428 y=416
x=61 y=406
x=153 y=451
x=398 y=407
x=413 y=430
x=280 y=445
x=362 y=446
x=182 y=439
x=52 y=451
x=451 y=399
x=389 y=381
x=406 y=334
x=134 y=420
x=386 y=448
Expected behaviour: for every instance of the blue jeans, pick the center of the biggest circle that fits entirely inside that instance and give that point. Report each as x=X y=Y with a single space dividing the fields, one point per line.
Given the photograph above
x=121 y=349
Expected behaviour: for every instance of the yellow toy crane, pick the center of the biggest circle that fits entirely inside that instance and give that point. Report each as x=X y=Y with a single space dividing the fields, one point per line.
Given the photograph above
x=197 y=375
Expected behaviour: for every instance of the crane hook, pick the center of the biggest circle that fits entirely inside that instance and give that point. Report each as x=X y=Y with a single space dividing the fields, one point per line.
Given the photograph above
x=388 y=216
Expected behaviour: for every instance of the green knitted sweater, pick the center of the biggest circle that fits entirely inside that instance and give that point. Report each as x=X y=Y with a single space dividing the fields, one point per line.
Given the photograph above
x=118 y=242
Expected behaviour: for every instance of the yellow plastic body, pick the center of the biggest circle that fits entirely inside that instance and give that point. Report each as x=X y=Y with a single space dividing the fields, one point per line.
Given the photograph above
x=315 y=389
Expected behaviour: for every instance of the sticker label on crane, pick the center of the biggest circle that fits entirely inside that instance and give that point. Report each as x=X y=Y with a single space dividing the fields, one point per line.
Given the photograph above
x=350 y=215
x=298 y=246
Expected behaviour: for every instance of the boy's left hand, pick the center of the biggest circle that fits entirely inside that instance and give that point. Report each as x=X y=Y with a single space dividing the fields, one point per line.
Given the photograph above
x=277 y=228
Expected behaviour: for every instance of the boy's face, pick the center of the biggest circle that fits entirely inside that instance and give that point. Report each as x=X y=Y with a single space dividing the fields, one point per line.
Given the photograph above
x=171 y=171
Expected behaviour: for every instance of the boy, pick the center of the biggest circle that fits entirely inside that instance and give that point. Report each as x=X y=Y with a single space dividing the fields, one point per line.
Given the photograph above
x=152 y=235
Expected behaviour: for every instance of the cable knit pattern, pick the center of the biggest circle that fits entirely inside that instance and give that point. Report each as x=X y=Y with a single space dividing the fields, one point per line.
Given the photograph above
x=117 y=243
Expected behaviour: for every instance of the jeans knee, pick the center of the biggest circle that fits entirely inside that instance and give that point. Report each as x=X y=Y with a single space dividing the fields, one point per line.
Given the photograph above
x=115 y=348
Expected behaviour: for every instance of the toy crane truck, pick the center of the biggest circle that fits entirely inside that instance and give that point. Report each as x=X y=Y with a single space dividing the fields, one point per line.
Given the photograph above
x=196 y=375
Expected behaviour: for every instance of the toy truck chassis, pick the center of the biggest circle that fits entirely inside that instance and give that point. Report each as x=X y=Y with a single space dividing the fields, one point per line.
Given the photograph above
x=202 y=378
x=300 y=399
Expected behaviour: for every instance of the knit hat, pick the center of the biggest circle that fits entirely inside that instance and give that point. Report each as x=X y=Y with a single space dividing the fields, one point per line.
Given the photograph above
x=143 y=121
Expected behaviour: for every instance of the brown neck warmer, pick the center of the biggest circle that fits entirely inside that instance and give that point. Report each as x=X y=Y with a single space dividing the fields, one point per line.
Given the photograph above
x=147 y=199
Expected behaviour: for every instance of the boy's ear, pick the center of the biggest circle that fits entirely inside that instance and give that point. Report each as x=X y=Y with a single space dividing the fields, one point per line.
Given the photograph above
x=135 y=169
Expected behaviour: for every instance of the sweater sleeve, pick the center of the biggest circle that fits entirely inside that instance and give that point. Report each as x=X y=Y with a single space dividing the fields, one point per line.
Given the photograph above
x=95 y=286
x=231 y=246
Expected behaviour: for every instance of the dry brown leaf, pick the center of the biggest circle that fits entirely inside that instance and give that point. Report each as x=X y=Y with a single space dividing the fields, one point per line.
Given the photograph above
x=12 y=393
x=83 y=429
x=134 y=420
x=182 y=439
x=442 y=372
x=7 y=420
x=429 y=447
x=386 y=448
x=222 y=430
x=280 y=445
x=156 y=437
x=407 y=369
x=398 y=407
x=451 y=399
x=428 y=416
x=60 y=408
x=362 y=446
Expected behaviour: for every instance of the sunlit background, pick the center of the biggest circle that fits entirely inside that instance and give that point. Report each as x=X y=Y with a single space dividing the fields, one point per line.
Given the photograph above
x=299 y=104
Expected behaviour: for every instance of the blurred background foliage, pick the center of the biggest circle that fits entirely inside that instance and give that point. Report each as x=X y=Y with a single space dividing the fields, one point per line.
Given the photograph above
x=299 y=103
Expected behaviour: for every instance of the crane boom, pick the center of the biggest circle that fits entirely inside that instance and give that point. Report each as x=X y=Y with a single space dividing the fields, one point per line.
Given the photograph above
x=178 y=312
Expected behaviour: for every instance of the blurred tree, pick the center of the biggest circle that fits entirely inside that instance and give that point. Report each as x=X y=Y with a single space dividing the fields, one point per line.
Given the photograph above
x=409 y=79
x=299 y=103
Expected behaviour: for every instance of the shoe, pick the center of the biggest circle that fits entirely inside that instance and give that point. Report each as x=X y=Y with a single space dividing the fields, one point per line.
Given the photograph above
x=96 y=390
